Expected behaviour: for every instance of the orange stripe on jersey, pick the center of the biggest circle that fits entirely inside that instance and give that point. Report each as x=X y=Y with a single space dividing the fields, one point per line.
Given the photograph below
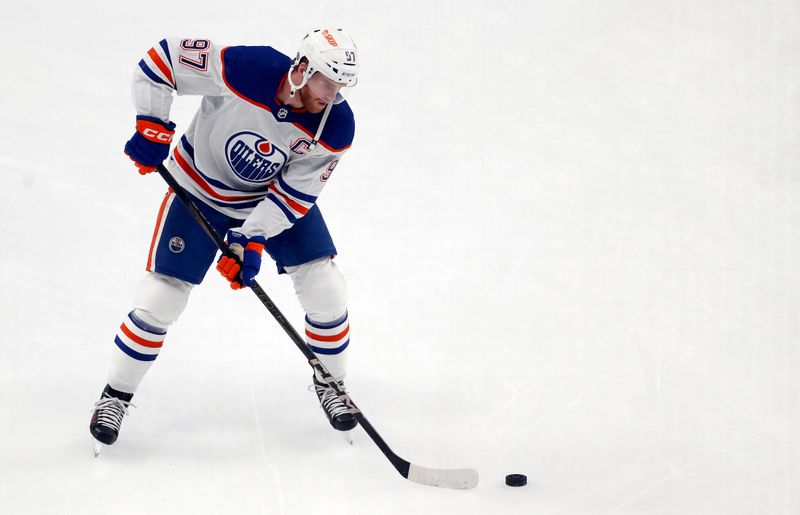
x=161 y=65
x=293 y=204
x=138 y=339
x=186 y=167
x=155 y=232
x=333 y=338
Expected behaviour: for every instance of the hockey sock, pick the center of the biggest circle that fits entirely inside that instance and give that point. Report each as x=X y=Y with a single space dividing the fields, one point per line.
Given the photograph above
x=329 y=341
x=138 y=343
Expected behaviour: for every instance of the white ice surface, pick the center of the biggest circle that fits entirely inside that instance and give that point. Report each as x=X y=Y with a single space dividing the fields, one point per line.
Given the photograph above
x=571 y=232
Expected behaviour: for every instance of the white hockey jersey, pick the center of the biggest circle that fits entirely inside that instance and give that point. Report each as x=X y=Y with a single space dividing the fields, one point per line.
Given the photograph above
x=245 y=153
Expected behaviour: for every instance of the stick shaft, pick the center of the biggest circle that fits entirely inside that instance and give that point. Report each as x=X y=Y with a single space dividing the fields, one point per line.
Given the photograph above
x=399 y=463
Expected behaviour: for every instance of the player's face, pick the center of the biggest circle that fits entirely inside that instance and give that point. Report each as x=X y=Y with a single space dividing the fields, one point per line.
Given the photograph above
x=318 y=92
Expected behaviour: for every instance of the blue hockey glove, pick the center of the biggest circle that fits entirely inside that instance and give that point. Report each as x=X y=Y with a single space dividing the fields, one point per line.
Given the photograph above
x=243 y=262
x=149 y=146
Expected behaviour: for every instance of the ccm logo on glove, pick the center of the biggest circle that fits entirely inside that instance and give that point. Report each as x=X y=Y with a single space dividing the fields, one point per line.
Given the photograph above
x=149 y=145
x=154 y=132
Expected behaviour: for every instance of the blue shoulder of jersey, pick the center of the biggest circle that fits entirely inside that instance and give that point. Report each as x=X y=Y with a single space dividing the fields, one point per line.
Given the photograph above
x=339 y=129
x=254 y=73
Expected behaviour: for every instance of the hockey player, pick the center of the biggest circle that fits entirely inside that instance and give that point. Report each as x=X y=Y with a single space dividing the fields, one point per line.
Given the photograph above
x=267 y=136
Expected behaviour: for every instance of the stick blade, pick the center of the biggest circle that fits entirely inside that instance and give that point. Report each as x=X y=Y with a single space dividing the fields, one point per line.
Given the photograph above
x=459 y=479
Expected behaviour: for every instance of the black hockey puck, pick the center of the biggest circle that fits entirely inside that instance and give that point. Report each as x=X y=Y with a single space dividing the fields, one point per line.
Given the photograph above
x=516 y=480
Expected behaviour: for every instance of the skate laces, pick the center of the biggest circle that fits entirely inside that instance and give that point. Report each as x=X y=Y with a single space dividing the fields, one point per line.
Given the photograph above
x=110 y=411
x=329 y=399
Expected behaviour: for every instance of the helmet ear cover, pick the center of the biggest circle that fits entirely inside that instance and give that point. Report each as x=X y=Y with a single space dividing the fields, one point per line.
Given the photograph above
x=298 y=60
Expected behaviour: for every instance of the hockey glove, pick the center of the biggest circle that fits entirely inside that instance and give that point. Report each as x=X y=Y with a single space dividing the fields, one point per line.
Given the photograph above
x=149 y=146
x=243 y=262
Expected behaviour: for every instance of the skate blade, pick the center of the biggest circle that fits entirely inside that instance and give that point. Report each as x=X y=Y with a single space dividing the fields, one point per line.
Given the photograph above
x=348 y=436
x=97 y=448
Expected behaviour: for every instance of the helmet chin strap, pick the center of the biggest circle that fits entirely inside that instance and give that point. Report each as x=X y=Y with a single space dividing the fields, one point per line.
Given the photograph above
x=294 y=87
x=321 y=126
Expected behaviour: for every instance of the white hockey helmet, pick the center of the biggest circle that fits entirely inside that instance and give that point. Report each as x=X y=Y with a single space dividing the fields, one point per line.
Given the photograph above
x=330 y=52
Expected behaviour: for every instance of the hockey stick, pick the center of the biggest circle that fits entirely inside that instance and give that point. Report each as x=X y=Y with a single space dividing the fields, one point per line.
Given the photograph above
x=445 y=478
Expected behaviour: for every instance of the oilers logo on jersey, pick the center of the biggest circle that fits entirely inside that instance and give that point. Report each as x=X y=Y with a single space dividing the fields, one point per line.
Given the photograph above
x=252 y=157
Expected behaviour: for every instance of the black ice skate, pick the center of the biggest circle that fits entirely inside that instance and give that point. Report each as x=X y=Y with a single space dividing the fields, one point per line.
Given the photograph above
x=338 y=414
x=107 y=416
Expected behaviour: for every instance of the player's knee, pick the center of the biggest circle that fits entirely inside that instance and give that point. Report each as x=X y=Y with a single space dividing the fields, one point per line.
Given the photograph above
x=160 y=299
x=321 y=288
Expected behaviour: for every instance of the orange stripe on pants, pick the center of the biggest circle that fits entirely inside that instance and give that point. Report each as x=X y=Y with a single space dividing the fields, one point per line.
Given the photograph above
x=159 y=223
